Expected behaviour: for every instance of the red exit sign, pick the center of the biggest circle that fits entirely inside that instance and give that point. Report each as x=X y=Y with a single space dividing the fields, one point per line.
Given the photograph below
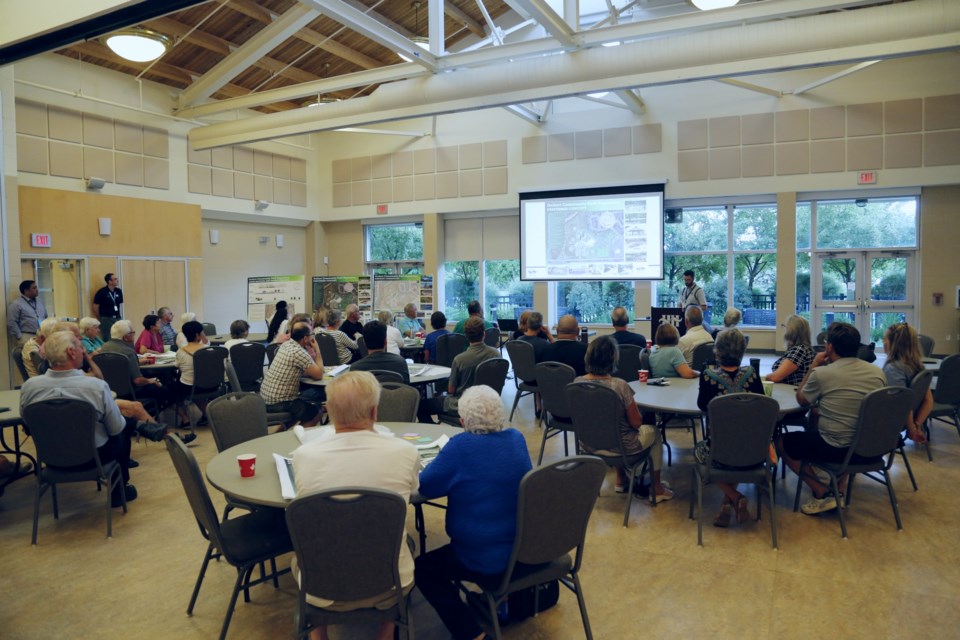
x=40 y=240
x=867 y=177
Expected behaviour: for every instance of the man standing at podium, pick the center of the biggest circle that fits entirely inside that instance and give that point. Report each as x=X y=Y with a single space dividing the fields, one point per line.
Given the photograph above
x=694 y=296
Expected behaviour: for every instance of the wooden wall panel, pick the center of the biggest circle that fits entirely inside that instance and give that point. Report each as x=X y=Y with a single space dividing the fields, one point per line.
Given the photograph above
x=140 y=227
x=139 y=291
x=195 y=269
x=170 y=278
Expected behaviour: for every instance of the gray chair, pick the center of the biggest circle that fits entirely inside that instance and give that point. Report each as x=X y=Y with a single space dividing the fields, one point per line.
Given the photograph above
x=348 y=531
x=382 y=375
x=398 y=402
x=554 y=378
x=703 y=356
x=595 y=410
x=63 y=434
x=247 y=359
x=209 y=373
x=553 y=510
x=926 y=345
x=493 y=373
x=524 y=370
x=209 y=329
x=882 y=414
x=491 y=337
x=272 y=349
x=236 y=418
x=920 y=386
x=244 y=542
x=362 y=347
x=328 y=349
x=276 y=417
x=645 y=359
x=741 y=428
x=116 y=372
x=449 y=346
x=628 y=362
x=17 y=356
x=946 y=397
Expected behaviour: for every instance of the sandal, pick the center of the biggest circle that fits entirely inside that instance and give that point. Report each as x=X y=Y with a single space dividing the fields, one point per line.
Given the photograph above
x=743 y=511
x=723 y=516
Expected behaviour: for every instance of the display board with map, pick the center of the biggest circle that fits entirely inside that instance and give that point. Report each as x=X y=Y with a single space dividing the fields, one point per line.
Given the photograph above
x=393 y=292
x=263 y=293
x=338 y=292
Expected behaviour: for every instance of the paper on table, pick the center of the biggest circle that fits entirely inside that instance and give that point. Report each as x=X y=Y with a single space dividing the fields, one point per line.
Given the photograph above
x=430 y=450
x=419 y=371
x=288 y=488
x=335 y=371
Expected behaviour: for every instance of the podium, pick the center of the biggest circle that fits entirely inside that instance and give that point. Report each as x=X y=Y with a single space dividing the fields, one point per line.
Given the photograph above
x=666 y=315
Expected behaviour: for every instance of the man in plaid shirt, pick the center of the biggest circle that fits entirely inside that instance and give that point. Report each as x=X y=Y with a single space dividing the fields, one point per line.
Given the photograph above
x=281 y=384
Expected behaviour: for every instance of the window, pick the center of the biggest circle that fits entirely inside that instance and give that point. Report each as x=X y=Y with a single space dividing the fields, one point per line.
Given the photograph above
x=394 y=248
x=755 y=265
x=461 y=285
x=868 y=224
x=504 y=295
x=591 y=301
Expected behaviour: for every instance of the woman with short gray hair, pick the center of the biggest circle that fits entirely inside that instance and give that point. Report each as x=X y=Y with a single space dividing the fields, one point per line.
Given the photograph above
x=792 y=366
x=347 y=350
x=479 y=471
x=394 y=338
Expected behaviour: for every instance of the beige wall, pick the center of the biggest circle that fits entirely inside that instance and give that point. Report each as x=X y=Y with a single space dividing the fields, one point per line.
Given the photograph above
x=345 y=246
x=939 y=266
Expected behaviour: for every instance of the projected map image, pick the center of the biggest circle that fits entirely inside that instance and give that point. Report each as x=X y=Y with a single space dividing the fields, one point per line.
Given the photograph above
x=578 y=235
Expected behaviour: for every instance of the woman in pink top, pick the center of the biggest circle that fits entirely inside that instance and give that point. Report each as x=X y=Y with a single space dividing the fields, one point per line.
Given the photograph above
x=150 y=340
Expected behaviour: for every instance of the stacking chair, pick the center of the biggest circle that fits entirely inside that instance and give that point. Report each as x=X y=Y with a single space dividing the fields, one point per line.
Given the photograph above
x=741 y=428
x=926 y=345
x=209 y=372
x=328 y=349
x=645 y=359
x=116 y=373
x=244 y=541
x=628 y=364
x=236 y=418
x=493 y=373
x=277 y=417
x=272 y=349
x=882 y=414
x=946 y=397
x=919 y=385
x=17 y=356
x=595 y=410
x=247 y=359
x=362 y=347
x=524 y=370
x=553 y=509
x=63 y=433
x=449 y=346
x=382 y=375
x=349 y=531
x=209 y=329
x=553 y=378
x=491 y=337
x=398 y=402
x=703 y=356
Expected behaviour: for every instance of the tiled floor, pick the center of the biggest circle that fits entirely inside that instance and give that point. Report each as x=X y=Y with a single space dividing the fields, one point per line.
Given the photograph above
x=649 y=580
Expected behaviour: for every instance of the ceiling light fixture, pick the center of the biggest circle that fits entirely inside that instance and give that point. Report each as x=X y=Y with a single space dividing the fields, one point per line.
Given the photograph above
x=421 y=41
x=598 y=95
x=138 y=44
x=320 y=101
x=707 y=5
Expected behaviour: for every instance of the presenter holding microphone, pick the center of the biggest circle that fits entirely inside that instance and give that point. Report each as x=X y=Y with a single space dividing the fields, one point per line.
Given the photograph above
x=694 y=296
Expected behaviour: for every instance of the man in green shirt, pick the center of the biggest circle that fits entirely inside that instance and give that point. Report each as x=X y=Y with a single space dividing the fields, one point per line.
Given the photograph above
x=475 y=309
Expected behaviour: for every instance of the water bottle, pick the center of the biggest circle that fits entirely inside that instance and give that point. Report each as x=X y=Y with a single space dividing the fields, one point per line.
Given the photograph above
x=503 y=612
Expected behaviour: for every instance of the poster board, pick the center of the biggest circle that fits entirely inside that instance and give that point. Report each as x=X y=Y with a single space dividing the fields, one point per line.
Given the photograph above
x=263 y=293
x=339 y=292
x=394 y=292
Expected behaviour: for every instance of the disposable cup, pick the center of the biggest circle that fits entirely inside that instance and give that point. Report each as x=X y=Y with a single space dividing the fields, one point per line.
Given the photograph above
x=643 y=375
x=248 y=464
x=768 y=387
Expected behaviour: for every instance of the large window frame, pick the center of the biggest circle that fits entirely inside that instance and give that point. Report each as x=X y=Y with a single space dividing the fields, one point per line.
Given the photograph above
x=399 y=259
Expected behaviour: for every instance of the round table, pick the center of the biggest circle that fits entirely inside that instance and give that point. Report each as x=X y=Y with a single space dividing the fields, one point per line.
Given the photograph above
x=419 y=374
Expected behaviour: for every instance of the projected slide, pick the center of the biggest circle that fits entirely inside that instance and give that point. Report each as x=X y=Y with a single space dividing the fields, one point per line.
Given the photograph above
x=591 y=236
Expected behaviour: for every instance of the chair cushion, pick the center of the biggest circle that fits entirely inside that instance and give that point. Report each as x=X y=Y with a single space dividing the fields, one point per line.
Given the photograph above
x=528 y=575
x=261 y=534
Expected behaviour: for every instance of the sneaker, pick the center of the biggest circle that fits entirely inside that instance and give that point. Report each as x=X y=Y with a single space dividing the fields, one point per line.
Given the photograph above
x=743 y=510
x=187 y=439
x=813 y=506
x=663 y=497
x=130 y=492
x=151 y=430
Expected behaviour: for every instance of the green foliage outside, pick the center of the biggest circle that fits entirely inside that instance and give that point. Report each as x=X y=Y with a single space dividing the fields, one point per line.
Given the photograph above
x=394 y=242
x=461 y=285
x=592 y=302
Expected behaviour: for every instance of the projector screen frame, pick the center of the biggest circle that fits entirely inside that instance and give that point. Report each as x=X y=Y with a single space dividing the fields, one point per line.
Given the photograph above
x=644 y=190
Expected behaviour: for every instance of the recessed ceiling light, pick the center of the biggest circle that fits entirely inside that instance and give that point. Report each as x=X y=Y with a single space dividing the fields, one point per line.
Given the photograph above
x=138 y=44
x=707 y=5
x=598 y=95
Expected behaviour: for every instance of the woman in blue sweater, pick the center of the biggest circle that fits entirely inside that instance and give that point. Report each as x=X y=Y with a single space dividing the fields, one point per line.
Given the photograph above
x=479 y=471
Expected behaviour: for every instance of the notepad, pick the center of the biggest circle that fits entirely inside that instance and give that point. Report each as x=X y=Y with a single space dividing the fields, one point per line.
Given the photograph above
x=288 y=487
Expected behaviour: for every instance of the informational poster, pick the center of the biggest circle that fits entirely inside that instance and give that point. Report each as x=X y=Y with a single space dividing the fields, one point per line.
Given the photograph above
x=339 y=292
x=393 y=293
x=426 y=296
x=263 y=294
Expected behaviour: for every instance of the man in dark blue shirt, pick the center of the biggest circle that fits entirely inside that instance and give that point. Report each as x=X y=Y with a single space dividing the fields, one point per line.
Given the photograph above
x=567 y=348
x=620 y=320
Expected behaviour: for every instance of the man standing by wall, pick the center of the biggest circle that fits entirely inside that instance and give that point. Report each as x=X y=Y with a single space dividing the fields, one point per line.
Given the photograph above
x=24 y=315
x=693 y=295
x=107 y=304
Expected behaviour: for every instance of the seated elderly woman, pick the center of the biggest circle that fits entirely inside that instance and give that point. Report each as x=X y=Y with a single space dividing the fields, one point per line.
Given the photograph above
x=347 y=348
x=479 y=471
x=731 y=319
x=150 y=340
x=90 y=335
x=601 y=359
x=394 y=338
x=182 y=340
x=791 y=367
x=666 y=359
x=727 y=376
x=239 y=332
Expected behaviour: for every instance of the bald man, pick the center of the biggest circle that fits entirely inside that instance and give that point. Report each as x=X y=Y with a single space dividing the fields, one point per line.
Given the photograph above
x=567 y=348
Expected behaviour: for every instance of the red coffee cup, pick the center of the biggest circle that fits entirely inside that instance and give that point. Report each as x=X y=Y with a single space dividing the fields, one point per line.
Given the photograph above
x=248 y=464
x=151 y=359
x=643 y=375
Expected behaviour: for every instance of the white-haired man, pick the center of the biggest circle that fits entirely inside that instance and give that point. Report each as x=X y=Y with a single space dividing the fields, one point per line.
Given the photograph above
x=35 y=345
x=65 y=380
x=408 y=324
x=696 y=334
x=357 y=455
x=352 y=325
x=122 y=338
x=479 y=471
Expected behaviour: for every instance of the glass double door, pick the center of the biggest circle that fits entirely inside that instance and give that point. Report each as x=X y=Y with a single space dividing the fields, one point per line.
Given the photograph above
x=869 y=289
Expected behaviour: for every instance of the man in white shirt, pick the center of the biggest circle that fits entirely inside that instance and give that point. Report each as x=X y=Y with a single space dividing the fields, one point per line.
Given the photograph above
x=695 y=335
x=356 y=455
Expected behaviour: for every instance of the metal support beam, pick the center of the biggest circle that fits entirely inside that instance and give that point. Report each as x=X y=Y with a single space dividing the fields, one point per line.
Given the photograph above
x=525 y=113
x=749 y=86
x=632 y=100
x=548 y=18
x=836 y=76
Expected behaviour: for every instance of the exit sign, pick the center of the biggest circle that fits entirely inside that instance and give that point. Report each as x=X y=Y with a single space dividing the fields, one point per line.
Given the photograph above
x=867 y=177
x=40 y=240
x=381 y=209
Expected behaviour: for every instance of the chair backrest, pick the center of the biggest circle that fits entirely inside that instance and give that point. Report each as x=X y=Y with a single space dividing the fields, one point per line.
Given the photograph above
x=948 y=381
x=36 y=361
x=198 y=496
x=553 y=378
x=232 y=379
x=63 y=432
x=645 y=359
x=883 y=413
x=746 y=340
x=362 y=347
x=822 y=338
x=629 y=362
x=349 y=531
x=493 y=373
x=208 y=368
x=398 y=402
x=523 y=360
x=382 y=375
x=926 y=345
x=449 y=346
x=236 y=418
x=272 y=349
x=595 y=410
x=328 y=349
x=209 y=329
x=491 y=337
x=741 y=427
x=703 y=356
x=18 y=361
x=247 y=359
x=116 y=372
x=554 y=505
x=867 y=352
x=920 y=385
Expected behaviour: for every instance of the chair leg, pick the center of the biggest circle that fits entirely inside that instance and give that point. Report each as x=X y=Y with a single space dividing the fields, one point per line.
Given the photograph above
x=626 y=511
x=246 y=582
x=543 y=445
x=36 y=509
x=418 y=524
x=906 y=463
x=796 y=499
x=233 y=600
x=583 y=607
x=276 y=577
x=516 y=401
x=773 y=513
x=56 y=506
x=835 y=486
x=196 y=587
x=110 y=509
x=492 y=611
x=699 y=490
x=893 y=498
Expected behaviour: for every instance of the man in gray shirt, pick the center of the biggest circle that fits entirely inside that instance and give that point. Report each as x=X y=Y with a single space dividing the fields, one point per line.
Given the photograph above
x=835 y=392
x=64 y=379
x=24 y=315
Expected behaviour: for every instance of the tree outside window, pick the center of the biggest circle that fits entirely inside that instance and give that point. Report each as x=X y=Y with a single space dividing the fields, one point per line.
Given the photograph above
x=461 y=284
x=394 y=249
x=504 y=294
x=591 y=302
